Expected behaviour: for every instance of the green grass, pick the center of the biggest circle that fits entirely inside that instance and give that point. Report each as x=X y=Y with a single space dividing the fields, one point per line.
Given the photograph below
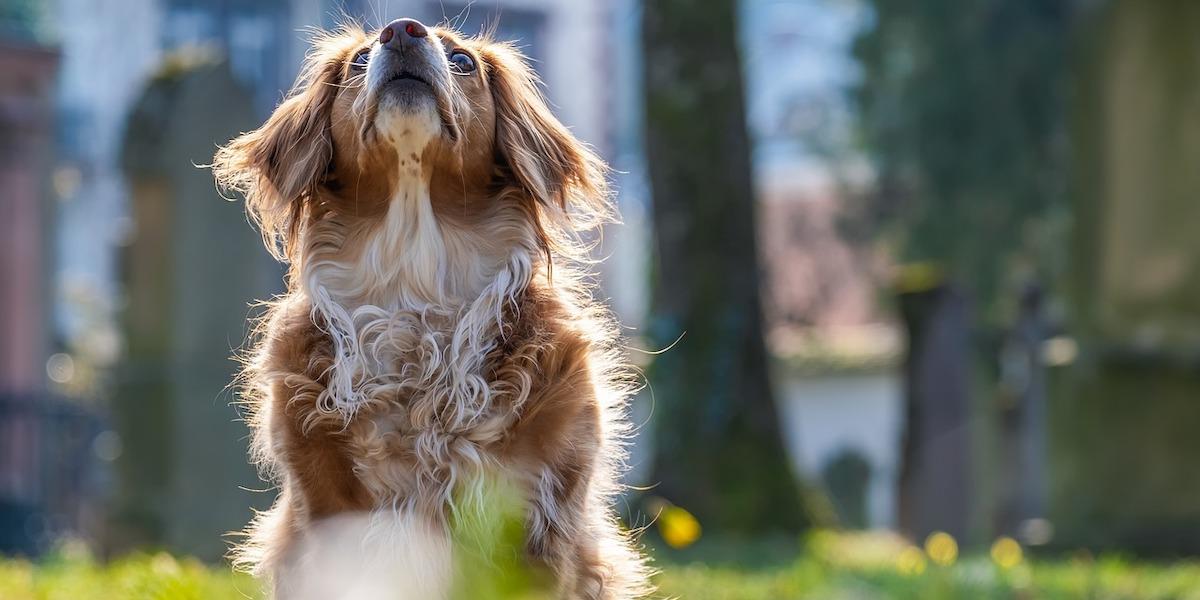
x=831 y=567
x=138 y=577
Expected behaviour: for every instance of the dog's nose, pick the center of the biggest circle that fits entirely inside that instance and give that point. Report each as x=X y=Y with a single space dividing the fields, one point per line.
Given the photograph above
x=395 y=32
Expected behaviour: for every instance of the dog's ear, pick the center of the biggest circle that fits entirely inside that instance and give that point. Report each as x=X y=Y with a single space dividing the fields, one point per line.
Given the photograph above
x=279 y=165
x=536 y=151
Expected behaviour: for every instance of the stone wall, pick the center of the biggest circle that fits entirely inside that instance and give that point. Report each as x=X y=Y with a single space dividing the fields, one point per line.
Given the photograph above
x=1124 y=423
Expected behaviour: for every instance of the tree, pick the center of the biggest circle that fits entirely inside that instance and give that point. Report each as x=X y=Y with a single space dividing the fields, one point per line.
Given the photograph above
x=720 y=453
x=962 y=109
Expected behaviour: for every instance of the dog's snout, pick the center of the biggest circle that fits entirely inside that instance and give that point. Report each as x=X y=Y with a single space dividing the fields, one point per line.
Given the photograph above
x=399 y=31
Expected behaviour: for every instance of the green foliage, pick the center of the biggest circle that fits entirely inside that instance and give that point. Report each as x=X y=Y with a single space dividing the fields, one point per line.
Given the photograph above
x=961 y=104
x=831 y=567
x=487 y=526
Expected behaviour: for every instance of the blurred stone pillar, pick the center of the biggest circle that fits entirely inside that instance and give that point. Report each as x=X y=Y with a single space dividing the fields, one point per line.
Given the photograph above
x=191 y=272
x=27 y=74
x=935 y=493
x=1124 y=432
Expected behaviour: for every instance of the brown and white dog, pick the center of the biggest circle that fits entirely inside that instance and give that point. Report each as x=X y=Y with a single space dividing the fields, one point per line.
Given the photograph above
x=437 y=333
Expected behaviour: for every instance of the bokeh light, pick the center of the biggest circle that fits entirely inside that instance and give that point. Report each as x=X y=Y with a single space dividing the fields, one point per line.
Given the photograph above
x=911 y=561
x=941 y=548
x=679 y=529
x=1006 y=553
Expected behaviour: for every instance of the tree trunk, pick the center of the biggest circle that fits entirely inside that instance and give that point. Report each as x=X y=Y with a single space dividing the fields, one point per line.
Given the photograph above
x=720 y=453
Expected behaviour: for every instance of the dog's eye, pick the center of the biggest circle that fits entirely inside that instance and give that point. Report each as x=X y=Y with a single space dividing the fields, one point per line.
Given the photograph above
x=361 y=59
x=461 y=62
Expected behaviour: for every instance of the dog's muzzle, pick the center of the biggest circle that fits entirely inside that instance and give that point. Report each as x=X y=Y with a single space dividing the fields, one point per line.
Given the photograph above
x=408 y=71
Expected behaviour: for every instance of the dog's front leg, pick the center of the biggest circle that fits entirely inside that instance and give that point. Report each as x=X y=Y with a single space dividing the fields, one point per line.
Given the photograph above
x=302 y=449
x=560 y=535
x=571 y=529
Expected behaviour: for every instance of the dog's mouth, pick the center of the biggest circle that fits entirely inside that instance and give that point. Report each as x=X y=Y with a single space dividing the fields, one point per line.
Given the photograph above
x=406 y=88
x=406 y=76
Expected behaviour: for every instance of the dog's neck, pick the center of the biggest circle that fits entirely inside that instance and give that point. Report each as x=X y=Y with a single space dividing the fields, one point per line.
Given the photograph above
x=411 y=259
x=413 y=282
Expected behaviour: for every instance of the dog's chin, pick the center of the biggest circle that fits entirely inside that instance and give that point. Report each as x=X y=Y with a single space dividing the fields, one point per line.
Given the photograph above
x=408 y=116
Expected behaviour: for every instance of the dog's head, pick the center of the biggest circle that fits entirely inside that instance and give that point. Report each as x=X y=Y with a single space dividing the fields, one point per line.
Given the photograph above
x=375 y=111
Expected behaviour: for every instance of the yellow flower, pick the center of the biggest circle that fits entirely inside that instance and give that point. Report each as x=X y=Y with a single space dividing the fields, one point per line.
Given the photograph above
x=910 y=561
x=941 y=548
x=1006 y=553
x=678 y=527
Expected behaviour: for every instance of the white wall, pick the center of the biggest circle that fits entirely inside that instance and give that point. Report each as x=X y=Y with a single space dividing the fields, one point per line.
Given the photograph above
x=823 y=415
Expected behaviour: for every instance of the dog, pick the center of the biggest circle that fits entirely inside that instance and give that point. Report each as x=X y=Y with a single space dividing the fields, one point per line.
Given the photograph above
x=438 y=337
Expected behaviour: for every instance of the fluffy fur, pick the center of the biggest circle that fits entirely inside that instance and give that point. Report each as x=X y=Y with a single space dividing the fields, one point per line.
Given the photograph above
x=437 y=332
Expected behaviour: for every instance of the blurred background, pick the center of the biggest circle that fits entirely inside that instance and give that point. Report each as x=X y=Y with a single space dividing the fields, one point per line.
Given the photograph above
x=921 y=265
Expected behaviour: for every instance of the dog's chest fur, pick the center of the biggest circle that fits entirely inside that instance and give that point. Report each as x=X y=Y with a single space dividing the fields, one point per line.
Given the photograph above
x=419 y=361
x=432 y=423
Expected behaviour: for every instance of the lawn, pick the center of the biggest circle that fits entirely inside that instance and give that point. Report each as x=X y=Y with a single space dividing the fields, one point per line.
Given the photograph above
x=831 y=567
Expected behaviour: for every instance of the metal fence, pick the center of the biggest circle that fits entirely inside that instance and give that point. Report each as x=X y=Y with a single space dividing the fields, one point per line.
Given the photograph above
x=48 y=474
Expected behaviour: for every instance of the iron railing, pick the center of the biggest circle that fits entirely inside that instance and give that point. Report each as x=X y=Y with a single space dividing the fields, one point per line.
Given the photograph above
x=48 y=470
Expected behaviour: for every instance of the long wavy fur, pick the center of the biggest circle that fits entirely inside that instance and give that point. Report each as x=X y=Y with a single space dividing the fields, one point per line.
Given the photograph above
x=447 y=312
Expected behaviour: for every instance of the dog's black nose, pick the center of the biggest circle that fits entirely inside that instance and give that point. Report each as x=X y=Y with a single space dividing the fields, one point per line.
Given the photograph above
x=394 y=33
